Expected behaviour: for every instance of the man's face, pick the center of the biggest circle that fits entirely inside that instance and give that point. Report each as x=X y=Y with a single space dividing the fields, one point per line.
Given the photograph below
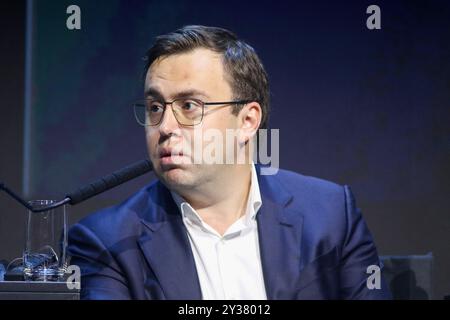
x=196 y=74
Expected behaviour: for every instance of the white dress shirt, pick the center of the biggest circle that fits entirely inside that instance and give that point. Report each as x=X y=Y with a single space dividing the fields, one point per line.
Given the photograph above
x=228 y=266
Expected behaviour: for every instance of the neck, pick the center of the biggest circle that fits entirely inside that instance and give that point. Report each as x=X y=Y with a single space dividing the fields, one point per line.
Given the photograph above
x=223 y=201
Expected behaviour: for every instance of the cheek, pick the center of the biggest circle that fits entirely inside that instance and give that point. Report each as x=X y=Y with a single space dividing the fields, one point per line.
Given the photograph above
x=224 y=120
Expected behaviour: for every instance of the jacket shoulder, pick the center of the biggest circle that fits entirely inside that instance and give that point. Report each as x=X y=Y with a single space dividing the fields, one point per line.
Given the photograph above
x=121 y=220
x=322 y=203
x=303 y=185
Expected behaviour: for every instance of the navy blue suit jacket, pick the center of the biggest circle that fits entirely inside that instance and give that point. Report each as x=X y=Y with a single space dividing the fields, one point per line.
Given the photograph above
x=314 y=244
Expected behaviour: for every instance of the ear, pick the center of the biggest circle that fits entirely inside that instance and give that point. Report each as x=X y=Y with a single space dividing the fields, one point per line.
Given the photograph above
x=249 y=121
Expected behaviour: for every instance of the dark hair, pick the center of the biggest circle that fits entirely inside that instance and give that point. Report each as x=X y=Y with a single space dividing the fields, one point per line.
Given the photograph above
x=244 y=70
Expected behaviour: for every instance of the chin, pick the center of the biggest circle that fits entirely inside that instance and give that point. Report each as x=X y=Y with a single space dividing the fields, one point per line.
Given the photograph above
x=176 y=177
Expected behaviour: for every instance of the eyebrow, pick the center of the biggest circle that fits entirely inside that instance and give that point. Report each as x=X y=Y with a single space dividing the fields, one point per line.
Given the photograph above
x=152 y=92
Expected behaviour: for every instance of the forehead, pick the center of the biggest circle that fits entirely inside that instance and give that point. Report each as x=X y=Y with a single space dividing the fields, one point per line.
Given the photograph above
x=199 y=69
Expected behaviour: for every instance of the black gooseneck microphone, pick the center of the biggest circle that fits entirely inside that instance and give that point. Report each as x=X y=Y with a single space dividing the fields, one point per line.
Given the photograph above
x=101 y=185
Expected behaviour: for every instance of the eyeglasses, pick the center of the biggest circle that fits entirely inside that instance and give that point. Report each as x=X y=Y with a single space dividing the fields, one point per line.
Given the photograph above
x=188 y=112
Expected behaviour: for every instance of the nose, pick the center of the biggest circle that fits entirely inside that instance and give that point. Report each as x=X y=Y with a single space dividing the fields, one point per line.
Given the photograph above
x=168 y=123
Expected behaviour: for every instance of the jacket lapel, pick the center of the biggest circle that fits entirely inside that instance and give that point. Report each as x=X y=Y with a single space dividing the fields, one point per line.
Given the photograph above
x=166 y=248
x=280 y=233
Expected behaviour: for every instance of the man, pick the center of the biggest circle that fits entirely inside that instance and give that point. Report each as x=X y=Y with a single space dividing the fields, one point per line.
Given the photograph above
x=220 y=229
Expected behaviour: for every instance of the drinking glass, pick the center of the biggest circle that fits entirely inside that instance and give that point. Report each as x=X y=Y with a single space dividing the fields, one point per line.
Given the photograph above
x=44 y=256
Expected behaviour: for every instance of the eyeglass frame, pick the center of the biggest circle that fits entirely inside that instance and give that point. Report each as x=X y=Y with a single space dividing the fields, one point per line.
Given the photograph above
x=203 y=104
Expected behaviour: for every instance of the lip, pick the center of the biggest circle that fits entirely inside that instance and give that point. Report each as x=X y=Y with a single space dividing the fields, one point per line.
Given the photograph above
x=171 y=160
x=169 y=152
x=170 y=157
